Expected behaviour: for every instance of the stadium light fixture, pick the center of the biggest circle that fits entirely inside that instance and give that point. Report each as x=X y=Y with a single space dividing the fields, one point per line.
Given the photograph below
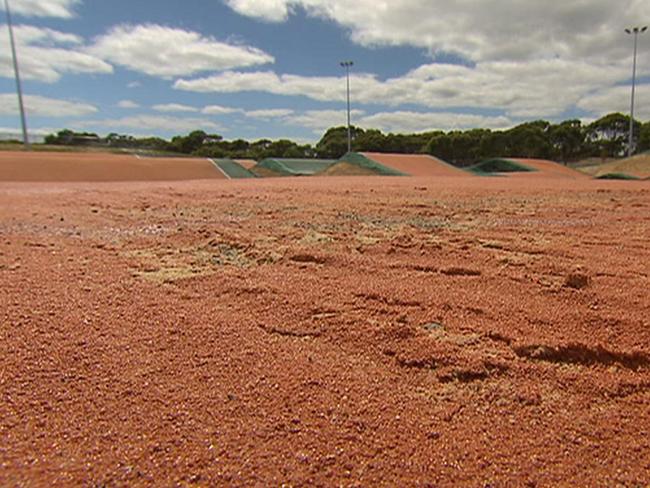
x=347 y=65
x=636 y=31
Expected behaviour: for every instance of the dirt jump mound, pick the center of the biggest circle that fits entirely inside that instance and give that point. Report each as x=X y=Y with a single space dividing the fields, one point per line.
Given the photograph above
x=522 y=167
x=416 y=164
x=70 y=166
x=550 y=168
x=369 y=163
x=636 y=167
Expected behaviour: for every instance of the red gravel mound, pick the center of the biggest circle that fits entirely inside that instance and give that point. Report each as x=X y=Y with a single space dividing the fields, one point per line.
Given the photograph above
x=325 y=332
x=91 y=166
x=551 y=168
x=416 y=164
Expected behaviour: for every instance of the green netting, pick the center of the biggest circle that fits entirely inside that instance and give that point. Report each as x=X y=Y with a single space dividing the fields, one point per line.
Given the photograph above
x=296 y=167
x=362 y=161
x=233 y=169
x=499 y=165
x=616 y=176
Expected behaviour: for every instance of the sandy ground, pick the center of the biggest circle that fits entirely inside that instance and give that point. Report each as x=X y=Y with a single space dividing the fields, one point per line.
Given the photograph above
x=416 y=164
x=325 y=332
x=93 y=166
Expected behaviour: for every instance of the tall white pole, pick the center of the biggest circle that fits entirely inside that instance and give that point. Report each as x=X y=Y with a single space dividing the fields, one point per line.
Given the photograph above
x=347 y=71
x=347 y=65
x=19 y=89
x=634 y=31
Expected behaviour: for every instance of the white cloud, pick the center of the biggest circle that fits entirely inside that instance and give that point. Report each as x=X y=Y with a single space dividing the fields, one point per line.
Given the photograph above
x=269 y=113
x=46 y=54
x=29 y=34
x=617 y=99
x=154 y=124
x=318 y=88
x=268 y=10
x=43 y=8
x=174 y=107
x=164 y=51
x=480 y=31
x=542 y=88
x=410 y=122
x=134 y=84
x=396 y=121
x=44 y=106
x=17 y=131
x=532 y=59
x=219 y=110
x=128 y=104
x=318 y=120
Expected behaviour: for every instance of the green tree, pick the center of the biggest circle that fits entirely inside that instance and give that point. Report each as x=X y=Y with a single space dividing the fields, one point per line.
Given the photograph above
x=529 y=140
x=644 y=138
x=567 y=140
x=334 y=142
x=610 y=134
x=189 y=143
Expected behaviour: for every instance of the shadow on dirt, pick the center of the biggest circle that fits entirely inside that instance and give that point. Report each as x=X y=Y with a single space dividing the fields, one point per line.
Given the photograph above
x=583 y=355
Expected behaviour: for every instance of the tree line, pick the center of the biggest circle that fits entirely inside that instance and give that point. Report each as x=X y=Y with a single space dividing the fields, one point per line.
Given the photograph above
x=570 y=140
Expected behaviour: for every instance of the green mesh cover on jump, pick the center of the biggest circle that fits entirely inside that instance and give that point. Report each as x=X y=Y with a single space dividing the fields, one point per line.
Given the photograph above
x=296 y=167
x=362 y=161
x=499 y=165
x=233 y=169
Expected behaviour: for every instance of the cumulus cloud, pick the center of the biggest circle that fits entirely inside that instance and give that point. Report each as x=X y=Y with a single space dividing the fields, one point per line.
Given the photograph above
x=617 y=99
x=395 y=121
x=317 y=88
x=478 y=31
x=270 y=113
x=409 y=122
x=128 y=104
x=47 y=54
x=219 y=110
x=268 y=10
x=531 y=59
x=154 y=124
x=319 y=120
x=174 y=107
x=165 y=52
x=541 y=88
x=44 y=106
x=43 y=8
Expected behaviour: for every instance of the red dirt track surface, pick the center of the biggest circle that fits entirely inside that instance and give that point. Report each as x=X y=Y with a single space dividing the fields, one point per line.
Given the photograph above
x=416 y=164
x=95 y=166
x=325 y=332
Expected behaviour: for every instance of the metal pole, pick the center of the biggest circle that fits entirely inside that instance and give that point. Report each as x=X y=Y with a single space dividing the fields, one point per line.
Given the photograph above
x=346 y=65
x=630 y=143
x=347 y=71
x=19 y=89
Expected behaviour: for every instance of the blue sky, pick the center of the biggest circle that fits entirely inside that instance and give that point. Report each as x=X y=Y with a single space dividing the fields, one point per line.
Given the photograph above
x=270 y=68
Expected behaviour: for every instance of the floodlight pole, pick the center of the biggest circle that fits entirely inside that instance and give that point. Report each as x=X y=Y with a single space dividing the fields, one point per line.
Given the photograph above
x=347 y=65
x=635 y=31
x=19 y=88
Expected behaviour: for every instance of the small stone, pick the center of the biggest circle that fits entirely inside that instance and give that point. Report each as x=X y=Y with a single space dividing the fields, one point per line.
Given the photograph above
x=431 y=326
x=577 y=281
